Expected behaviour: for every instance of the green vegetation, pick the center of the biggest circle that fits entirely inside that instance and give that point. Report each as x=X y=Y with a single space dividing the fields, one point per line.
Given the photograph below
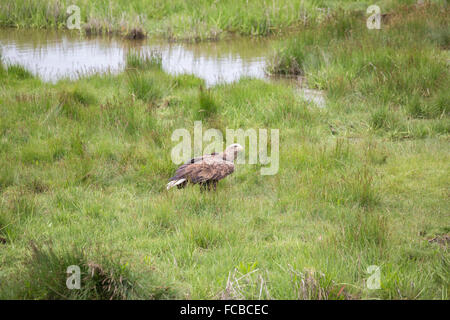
x=83 y=168
x=144 y=61
x=207 y=104
x=193 y=20
x=17 y=71
x=399 y=74
x=107 y=280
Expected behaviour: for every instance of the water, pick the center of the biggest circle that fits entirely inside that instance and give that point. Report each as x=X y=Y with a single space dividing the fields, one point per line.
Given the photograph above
x=56 y=55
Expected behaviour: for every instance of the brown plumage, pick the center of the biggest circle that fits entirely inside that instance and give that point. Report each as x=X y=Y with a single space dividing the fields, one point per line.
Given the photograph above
x=206 y=170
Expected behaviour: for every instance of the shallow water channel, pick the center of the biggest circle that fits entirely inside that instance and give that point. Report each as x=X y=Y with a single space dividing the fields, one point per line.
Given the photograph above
x=55 y=55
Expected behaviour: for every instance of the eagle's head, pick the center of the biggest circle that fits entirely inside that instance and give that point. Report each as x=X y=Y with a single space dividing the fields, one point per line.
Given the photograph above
x=232 y=151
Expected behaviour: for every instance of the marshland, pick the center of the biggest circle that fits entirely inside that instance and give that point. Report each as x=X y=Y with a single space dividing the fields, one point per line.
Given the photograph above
x=86 y=119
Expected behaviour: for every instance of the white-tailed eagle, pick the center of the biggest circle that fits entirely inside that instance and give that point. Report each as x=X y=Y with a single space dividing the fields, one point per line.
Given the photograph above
x=206 y=170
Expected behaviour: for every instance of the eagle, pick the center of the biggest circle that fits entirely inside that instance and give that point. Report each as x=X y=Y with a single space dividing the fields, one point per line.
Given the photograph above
x=206 y=170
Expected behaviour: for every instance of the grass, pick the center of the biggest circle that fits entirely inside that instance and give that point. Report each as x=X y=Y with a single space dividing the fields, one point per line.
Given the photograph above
x=191 y=20
x=144 y=87
x=106 y=280
x=84 y=163
x=144 y=61
x=385 y=74
x=207 y=105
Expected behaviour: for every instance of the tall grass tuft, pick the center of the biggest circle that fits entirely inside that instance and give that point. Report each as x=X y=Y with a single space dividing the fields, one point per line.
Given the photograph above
x=102 y=277
x=4 y=226
x=315 y=285
x=77 y=95
x=205 y=236
x=144 y=86
x=289 y=59
x=387 y=74
x=383 y=118
x=207 y=105
x=144 y=60
x=2 y=66
x=18 y=71
x=6 y=177
x=363 y=190
x=87 y=161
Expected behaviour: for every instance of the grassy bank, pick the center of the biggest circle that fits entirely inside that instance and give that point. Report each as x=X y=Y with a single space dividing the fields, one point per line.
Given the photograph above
x=83 y=167
x=399 y=73
x=179 y=19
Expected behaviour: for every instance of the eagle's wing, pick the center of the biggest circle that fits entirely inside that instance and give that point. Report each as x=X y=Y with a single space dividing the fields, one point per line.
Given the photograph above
x=199 y=172
x=201 y=158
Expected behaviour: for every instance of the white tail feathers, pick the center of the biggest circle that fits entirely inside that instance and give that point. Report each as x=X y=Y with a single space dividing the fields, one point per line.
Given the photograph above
x=174 y=183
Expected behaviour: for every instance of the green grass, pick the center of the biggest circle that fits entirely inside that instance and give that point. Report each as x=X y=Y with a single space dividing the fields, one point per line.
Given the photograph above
x=18 y=71
x=104 y=279
x=144 y=61
x=144 y=87
x=400 y=73
x=192 y=20
x=207 y=105
x=84 y=163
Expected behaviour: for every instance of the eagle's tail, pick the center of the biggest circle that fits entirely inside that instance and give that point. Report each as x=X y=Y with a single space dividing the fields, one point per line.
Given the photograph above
x=174 y=183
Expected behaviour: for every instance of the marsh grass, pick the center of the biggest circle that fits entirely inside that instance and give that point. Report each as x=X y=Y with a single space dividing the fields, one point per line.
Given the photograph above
x=383 y=119
x=76 y=95
x=289 y=59
x=144 y=60
x=86 y=161
x=389 y=74
x=145 y=87
x=175 y=20
x=314 y=285
x=19 y=72
x=207 y=104
x=45 y=277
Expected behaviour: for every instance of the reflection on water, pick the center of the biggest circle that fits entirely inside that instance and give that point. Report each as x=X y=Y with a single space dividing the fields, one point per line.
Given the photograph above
x=56 y=55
